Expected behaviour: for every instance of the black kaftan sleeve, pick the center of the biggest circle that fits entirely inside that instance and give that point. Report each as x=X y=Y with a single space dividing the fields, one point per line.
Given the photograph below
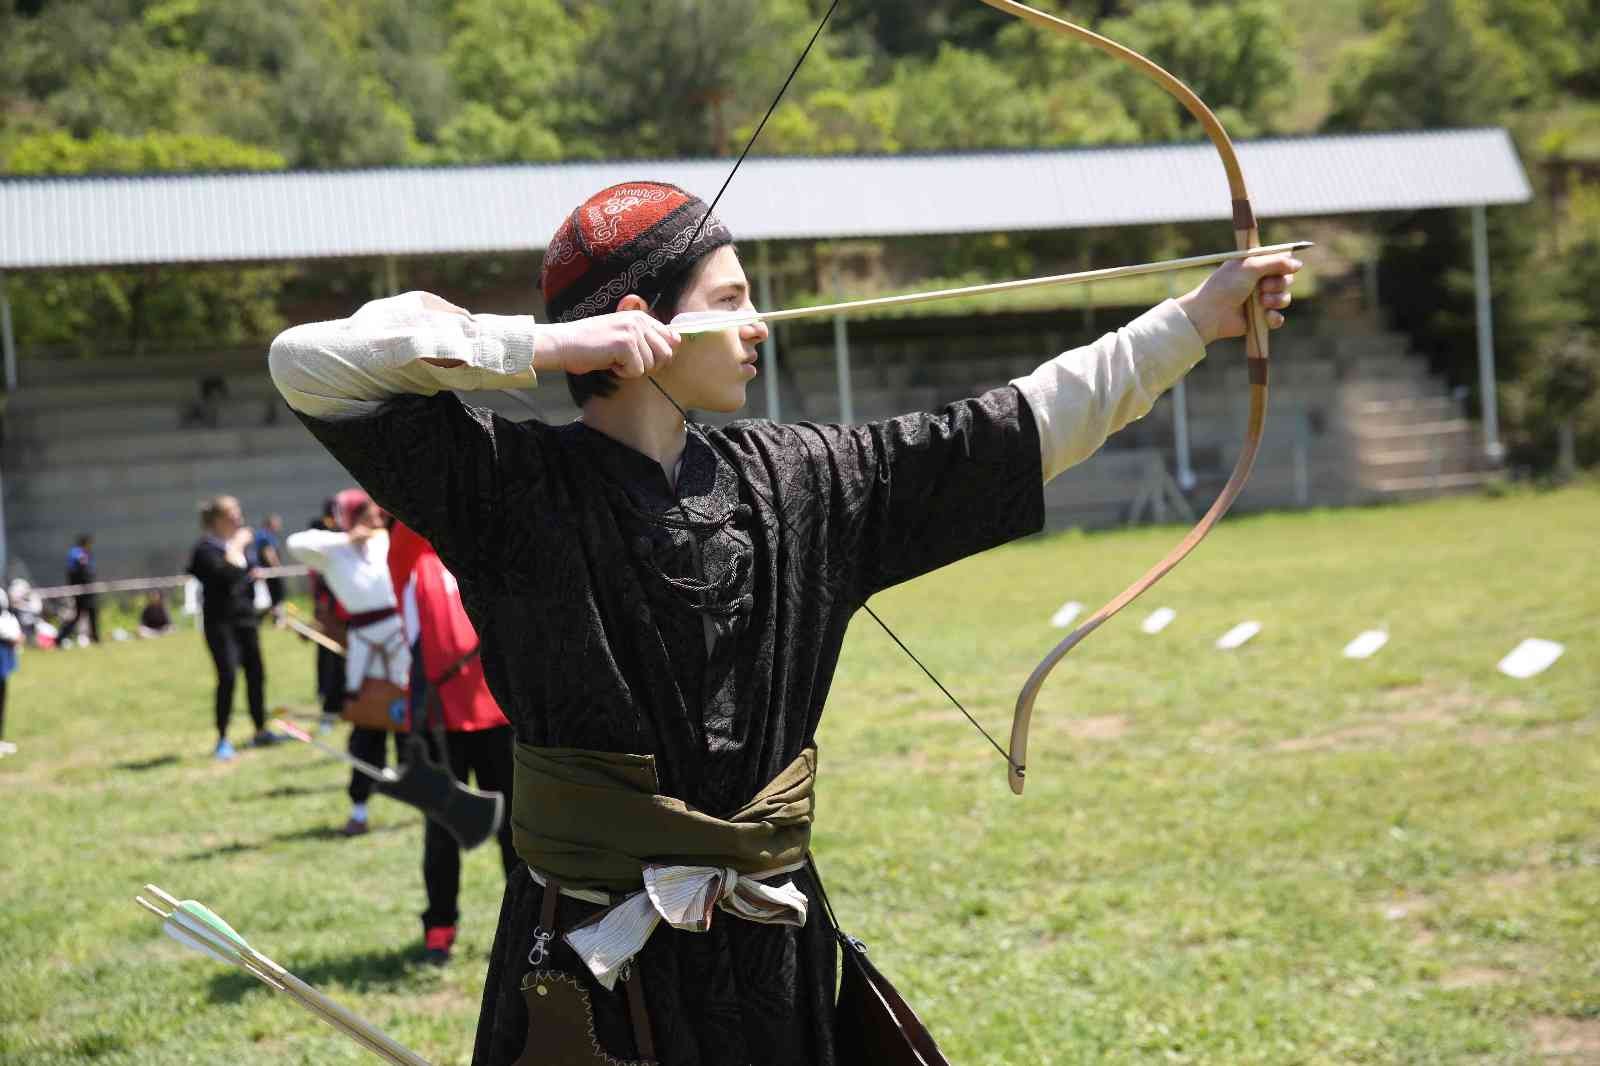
x=436 y=463
x=905 y=496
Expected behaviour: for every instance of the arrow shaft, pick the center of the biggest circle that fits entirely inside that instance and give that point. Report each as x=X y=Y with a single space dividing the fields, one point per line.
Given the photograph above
x=1081 y=277
x=377 y=773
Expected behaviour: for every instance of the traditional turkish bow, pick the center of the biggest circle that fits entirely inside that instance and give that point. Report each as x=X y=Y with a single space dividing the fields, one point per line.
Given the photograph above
x=1246 y=235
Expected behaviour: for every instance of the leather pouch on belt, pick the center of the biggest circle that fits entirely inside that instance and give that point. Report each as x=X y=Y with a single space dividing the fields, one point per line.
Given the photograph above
x=560 y=1023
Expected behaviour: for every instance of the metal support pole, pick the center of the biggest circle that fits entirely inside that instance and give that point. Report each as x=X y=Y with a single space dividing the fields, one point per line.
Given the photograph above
x=1180 y=418
x=391 y=275
x=769 y=347
x=1369 y=284
x=1302 y=463
x=841 y=359
x=1486 y=378
x=8 y=340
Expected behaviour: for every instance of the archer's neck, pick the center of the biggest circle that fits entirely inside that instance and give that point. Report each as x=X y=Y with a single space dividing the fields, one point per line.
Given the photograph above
x=640 y=417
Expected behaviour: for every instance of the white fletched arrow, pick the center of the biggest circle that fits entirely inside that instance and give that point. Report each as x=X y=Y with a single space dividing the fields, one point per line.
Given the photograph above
x=692 y=322
x=199 y=928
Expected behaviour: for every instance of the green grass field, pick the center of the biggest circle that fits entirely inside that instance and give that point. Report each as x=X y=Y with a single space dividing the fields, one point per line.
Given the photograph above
x=1273 y=855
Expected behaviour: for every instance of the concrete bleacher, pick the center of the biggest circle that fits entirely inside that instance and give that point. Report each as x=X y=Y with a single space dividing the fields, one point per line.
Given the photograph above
x=112 y=447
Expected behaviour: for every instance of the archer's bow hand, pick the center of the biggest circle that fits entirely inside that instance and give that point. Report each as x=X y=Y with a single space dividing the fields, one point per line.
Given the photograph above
x=1216 y=306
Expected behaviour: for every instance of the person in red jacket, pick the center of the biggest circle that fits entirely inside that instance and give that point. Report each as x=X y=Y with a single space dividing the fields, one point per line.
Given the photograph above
x=450 y=705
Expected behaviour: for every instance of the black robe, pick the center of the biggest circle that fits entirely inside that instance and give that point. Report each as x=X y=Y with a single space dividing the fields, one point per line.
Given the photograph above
x=590 y=582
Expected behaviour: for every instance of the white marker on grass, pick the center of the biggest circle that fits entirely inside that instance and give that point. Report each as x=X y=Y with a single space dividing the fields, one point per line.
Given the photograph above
x=1532 y=656
x=1366 y=645
x=1159 y=619
x=1067 y=612
x=1237 y=635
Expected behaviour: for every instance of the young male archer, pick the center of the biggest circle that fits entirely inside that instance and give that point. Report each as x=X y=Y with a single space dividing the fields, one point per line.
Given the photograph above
x=661 y=605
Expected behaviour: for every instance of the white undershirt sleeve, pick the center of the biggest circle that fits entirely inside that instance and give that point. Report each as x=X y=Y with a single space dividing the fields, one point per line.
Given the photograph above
x=311 y=546
x=1081 y=397
x=394 y=347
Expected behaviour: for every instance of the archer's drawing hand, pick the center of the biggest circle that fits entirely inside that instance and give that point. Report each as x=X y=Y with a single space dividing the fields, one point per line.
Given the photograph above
x=630 y=344
x=1216 y=306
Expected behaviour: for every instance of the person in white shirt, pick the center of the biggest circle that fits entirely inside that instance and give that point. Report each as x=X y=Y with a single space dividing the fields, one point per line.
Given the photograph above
x=354 y=562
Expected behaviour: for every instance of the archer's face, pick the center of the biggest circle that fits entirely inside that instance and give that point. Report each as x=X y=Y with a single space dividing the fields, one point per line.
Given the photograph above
x=711 y=371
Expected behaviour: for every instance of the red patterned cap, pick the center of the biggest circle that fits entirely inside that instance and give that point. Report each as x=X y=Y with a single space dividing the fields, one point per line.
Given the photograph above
x=636 y=237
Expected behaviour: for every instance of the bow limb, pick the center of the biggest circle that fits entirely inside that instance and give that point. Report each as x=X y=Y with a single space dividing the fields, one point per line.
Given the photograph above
x=1246 y=235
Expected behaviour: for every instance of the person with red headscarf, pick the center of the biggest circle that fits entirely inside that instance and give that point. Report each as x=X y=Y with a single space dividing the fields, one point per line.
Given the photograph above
x=353 y=562
x=452 y=710
x=662 y=604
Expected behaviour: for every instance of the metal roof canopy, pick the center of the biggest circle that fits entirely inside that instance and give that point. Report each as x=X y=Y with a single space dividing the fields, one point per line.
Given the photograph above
x=77 y=221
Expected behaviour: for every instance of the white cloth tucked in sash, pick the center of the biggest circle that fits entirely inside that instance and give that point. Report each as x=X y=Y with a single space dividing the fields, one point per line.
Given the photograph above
x=685 y=897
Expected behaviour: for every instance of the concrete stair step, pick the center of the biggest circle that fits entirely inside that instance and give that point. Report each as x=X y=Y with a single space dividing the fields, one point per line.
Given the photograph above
x=173 y=444
x=96 y=395
x=1402 y=429
x=68 y=370
x=186 y=478
x=1429 y=406
x=1429 y=484
x=1387 y=371
x=1363 y=346
x=122 y=421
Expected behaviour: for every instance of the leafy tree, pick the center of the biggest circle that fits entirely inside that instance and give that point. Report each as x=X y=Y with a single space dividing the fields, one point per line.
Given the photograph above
x=1441 y=64
x=514 y=63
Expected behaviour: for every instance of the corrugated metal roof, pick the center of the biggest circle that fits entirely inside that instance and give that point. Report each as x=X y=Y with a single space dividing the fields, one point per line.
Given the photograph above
x=166 y=218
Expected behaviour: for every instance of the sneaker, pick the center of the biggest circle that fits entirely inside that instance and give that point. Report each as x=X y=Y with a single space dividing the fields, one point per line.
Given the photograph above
x=325 y=723
x=224 y=751
x=266 y=738
x=354 y=827
x=7 y=748
x=437 y=941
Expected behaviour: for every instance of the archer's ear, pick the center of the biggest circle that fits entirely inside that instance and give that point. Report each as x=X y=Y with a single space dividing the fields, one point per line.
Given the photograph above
x=632 y=302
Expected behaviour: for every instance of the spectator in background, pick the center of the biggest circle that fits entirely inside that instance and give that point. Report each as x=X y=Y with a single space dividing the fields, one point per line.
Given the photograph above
x=86 y=605
x=330 y=618
x=224 y=563
x=355 y=564
x=450 y=707
x=154 y=621
x=10 y=656
x=27 y=606
x=269 y=550
x=205 y=410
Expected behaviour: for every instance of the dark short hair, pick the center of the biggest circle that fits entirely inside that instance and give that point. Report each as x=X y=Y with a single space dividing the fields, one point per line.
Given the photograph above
x=603 y=382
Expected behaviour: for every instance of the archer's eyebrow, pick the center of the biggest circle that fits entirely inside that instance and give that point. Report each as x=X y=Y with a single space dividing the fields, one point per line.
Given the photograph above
x=738 y=288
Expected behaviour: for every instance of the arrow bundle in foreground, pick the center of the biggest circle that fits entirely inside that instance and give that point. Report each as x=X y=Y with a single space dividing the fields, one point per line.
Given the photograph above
x=197 y=927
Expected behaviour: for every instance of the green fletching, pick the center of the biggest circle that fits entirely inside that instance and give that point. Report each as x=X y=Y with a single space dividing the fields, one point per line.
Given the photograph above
x=201 y=912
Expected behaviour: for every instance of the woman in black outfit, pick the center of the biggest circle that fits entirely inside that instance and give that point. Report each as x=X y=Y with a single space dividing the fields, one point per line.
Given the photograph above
x=222 y=563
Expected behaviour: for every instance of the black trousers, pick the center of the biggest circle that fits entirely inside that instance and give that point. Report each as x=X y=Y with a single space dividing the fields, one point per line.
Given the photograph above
x=370 y=745
x=486 y=755
x=330 y=680
x=85 y=608
x=2 y=708
x=234 y=646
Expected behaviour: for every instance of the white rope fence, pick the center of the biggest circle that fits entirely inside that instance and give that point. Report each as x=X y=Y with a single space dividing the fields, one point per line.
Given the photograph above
x=145 y=584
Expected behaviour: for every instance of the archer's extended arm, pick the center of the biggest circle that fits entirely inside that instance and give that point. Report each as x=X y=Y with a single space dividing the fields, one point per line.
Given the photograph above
x=1082 y=396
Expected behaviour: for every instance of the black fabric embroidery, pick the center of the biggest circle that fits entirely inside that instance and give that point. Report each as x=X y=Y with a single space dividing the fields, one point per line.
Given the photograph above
x=590 y=582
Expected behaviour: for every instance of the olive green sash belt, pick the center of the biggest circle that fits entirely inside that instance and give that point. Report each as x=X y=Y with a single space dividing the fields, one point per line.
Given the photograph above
x=587 y=821
x=594 y=820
